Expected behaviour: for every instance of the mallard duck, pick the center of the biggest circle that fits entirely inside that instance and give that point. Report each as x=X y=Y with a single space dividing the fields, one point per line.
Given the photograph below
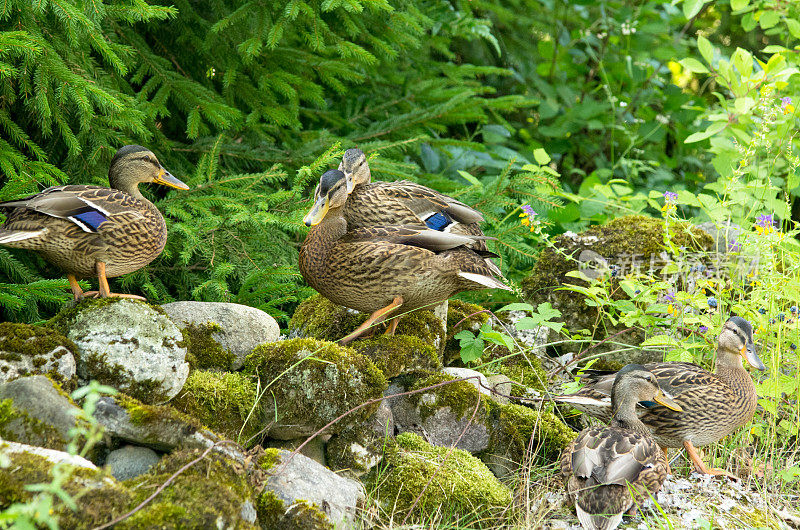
x=91 y=230
x=382 y=268
x=609 y=470
x=402 y=202
x=714 y=405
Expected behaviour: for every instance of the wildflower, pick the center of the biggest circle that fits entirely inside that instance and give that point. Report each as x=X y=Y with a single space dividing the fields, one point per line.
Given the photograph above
x=712 y=302
x=670 y=197
x=528 y=216
x=786 y=105
x=781 y=317
x=702 y=329
x=734 y=246
x=761 y=310
x=669 y=296
x=765 y=224
x=793 y=309
x=793 y=346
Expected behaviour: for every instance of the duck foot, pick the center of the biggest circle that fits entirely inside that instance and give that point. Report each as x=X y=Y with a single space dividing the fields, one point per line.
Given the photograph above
x=375 y=318
x=666 y=457
x=701 y=468
x=105 y=290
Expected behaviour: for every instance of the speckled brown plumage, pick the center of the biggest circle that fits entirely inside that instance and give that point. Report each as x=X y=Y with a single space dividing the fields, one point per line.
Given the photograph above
x=91 y=230
x=367 y=268
x=608 y=471
x=714 y=404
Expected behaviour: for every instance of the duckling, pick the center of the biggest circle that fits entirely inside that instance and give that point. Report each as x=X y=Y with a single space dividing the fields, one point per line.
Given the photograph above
x=91 y=230
x=609 y=470
x=713 y=405
x=382 y=268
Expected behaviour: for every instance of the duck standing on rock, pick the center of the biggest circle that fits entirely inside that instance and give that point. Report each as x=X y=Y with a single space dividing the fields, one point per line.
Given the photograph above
x=714 y=404
x=379 y=269
x=91 y=230
x=609 y=470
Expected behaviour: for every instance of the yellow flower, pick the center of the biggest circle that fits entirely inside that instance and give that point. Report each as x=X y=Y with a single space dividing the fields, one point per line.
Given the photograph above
x=788 y=109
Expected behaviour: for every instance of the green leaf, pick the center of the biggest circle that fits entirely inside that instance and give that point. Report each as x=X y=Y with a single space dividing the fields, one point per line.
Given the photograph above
x=768 y=19
x=517 y=306
x=693 y=65
x=692 y=7
x=469 y=178
x=541 y=156
x=737 y=5
x=711 y=131
x=706 y=49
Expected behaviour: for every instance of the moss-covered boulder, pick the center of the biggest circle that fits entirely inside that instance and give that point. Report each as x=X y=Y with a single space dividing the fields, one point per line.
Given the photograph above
x=357 y=450
x=99 y=498
x=214 y=492
x=203 y=351
x=130 y=345
x=28 y=350
x=311 y=383
x=618 y=246
x=423 y=479
x=297 y=492
x=399 y=354
x=321 y=319
x=516 y=430
x=226 y=402
x=34 y=410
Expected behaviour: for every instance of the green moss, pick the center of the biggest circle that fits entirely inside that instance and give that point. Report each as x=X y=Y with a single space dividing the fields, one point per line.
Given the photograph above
x=141 y=414
x=225 y=402
x=314 y=382
x=205 y=495
x=460 y=316
x=438 y=477
x=272 y=514
x=460 y=396
x=64 y=318
x=118 y=376
x=514 y=425
x=18 y=340
x=399 y=354
x=524 y=370
x=202 y=350
x=16 y=425
x=321 y=319
x=268 y=458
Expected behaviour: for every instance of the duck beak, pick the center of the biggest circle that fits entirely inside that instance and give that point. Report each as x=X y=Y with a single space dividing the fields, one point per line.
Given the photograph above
x=317 y=212
x=663 y=398
x=749 y=353
x=165 y=177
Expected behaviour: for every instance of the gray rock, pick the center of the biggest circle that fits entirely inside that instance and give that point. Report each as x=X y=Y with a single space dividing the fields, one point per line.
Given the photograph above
x=242 y=327
x=725 y=234
x=314 y=449
x=476 y=379
x=21 y=353
x=358 y=450
x=300 y=478
x=444 y=426
x=50 y=455
x=159 y=427
x=132 y=347
x=39 y=414
x=131 y=461
x=501 y=384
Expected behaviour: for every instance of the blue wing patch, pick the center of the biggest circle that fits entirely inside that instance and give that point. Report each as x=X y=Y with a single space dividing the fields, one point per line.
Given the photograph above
x=92 y=218
x=648 y=404
x=438 y=221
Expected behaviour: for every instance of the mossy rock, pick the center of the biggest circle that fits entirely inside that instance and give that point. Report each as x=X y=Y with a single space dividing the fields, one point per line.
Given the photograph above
x=512 y=427
x=319 y=318
x=99 y=497
x=225 y=402
x=64 y=319
x=399 y=354
x=28 y=350
x=203 y=352
x=356 y=451
x=212 y=493
x=524 y=369
x=461 y=316
x=422 y=479
x=312 y=383
x=617 y=242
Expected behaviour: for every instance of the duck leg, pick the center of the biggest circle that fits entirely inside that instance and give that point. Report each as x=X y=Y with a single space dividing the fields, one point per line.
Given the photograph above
x=700 y=467
x=77 y=292
x=105 y=290
x=375 y=318
x=666 y=457
x=390 y=329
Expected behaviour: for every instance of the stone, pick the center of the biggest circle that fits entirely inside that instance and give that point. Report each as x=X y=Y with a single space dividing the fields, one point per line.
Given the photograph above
x=313 y=449
x=131 y=461
x=240 y=328
x=359 y=449
x=725 y=234
x=420 y=479
x=473 y=377
x=29 y=350
x=312 y=383
x=33 y=411
x=399 y=354
x=501 y=385
x=299 y=482
x=129 y=345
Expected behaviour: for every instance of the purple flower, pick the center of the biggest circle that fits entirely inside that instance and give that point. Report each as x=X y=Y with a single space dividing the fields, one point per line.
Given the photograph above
x=528 y=210
x=702 y=329
x=734 y=246
x=669 y=296
x=765 y=220
x=786 y=101
x=670 y=197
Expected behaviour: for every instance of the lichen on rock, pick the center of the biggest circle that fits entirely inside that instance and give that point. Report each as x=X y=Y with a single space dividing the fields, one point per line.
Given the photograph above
x=420 y=478
x=28 y=350
x=312 y=383
x=225 y=402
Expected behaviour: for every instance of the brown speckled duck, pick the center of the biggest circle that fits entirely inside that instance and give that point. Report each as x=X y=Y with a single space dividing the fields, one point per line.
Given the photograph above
x=714 y=404
x=381 y=269
x=402 y=203
x=91 y=230
x=609 y=470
